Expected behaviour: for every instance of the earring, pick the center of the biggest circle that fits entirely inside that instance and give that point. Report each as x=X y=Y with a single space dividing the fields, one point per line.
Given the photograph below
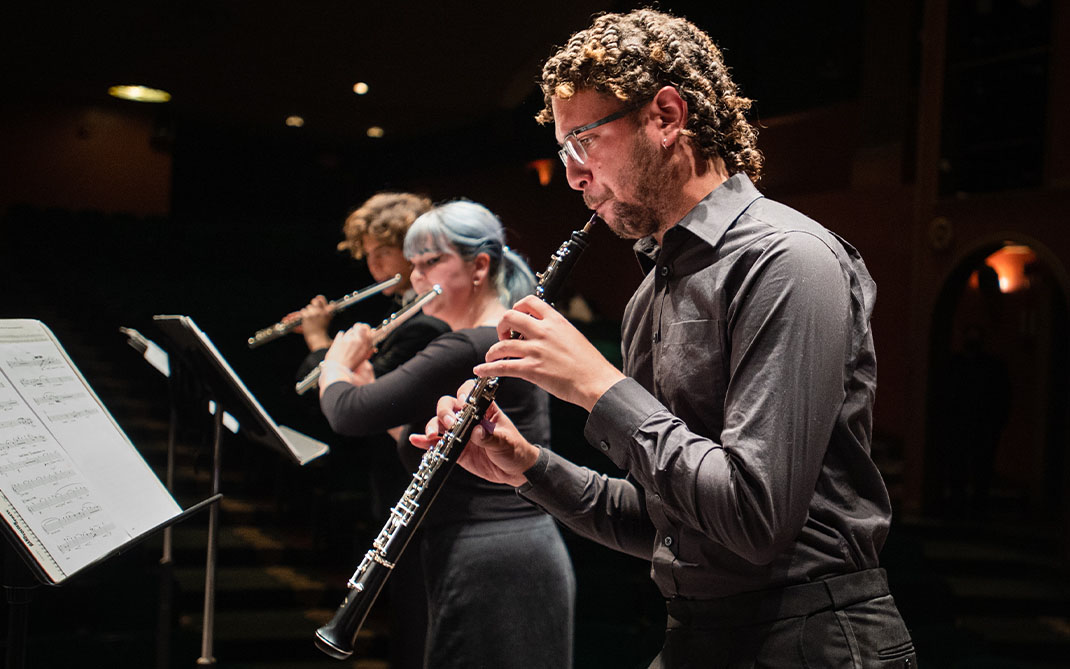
x=665 y=142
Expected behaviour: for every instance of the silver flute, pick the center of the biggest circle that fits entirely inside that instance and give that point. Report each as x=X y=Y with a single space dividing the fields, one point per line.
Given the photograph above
x=337 y=637
x=378 y=334
x=285 y=327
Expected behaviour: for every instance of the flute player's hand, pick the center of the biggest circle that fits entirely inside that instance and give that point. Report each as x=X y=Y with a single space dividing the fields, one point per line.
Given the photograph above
x=315 y=318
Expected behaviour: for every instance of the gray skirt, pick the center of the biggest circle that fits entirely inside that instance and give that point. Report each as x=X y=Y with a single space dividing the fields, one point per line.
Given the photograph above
x=500 y=594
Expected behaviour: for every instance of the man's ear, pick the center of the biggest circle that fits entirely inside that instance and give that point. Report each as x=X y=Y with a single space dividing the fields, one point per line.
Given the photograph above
x=670 y=114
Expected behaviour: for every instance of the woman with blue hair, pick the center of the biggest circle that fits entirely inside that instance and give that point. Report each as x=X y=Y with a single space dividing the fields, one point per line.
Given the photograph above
x=500 y=586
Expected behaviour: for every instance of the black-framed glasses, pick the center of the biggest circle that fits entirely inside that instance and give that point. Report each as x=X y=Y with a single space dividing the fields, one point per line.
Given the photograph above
x=573 y=147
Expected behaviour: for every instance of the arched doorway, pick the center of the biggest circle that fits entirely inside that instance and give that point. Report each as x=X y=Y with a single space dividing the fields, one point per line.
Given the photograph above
x=996 y=430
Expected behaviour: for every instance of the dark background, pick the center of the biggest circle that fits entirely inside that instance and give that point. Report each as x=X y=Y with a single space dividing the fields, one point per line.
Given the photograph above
x=928 y=133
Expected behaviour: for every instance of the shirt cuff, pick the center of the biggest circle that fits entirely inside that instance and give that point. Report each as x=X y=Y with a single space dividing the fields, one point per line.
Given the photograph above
x=537 y=472
x=616 y=417
x=555 y=484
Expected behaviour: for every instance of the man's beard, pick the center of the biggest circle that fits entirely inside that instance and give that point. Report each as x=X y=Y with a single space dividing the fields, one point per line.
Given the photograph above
x=650 y=179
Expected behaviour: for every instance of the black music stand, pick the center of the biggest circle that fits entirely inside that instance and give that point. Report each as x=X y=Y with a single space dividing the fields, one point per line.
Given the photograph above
x=74 y=491
x=230 y=396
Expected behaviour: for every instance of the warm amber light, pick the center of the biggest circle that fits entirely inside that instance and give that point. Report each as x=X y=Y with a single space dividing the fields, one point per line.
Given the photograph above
x=1010 y=263
x=295 y=121
x=544 y=167
x=139 y=93
x=360 y=88
x=375 y=131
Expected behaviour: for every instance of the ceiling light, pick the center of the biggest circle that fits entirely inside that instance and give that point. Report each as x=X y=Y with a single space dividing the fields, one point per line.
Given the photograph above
x=139 y=93
x=295 y=121
x=375 y=131
x=360 y=88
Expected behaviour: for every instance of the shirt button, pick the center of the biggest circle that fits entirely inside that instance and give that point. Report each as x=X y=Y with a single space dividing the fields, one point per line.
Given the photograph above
x=668 y=541
x=604 y=445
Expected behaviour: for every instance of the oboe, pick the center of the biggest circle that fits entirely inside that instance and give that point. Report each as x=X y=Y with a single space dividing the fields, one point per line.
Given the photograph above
x=380 y=333
x=337 y=637
x=285 y=327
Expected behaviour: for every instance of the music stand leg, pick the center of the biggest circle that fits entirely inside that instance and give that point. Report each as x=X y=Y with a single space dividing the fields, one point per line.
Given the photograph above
x=172 y=436
x=165 y=617
x=18 y=587
x=213 y=529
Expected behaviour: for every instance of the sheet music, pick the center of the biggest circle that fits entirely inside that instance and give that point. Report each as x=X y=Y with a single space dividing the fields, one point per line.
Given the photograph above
x=71 y=483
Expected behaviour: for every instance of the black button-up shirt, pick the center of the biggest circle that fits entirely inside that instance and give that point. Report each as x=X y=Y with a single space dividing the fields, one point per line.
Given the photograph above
x=745 y=425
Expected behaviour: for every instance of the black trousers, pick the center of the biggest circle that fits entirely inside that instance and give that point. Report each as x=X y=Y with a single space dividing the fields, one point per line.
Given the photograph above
x=848 y=621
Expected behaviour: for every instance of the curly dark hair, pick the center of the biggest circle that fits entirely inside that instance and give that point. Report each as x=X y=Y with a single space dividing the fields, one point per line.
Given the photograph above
x=632 y=56
x=384 y=216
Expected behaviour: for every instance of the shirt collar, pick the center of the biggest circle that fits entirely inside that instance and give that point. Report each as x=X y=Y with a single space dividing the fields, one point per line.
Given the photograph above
x=708 y=220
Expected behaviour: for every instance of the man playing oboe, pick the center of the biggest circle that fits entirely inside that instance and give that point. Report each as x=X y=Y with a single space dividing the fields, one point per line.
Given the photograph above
x=743 y=417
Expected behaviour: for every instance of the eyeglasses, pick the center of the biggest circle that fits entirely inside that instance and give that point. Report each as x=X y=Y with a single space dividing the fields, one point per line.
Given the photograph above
x=573 y=147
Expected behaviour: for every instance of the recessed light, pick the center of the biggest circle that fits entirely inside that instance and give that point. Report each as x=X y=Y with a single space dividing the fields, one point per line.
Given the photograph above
x=295 y=121
x=360 y=88
x=375 y=131
x=139 y=93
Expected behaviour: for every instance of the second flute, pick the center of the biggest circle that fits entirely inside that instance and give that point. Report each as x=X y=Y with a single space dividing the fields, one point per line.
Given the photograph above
x=378 y=334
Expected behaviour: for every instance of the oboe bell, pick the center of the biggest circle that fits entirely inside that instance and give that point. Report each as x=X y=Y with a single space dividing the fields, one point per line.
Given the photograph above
x=285 y=327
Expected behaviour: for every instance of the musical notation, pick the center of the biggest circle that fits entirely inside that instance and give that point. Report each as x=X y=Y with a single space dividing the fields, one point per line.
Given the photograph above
x=50 y=397
x=41 y=362
x=40 y=460
x=36 y=482
x=8 y=424
x=79 y=538
x=69 y=416
x=39 y=381
x=7 y=405
x=65 y=494
x=22 y=440
x=54 y=525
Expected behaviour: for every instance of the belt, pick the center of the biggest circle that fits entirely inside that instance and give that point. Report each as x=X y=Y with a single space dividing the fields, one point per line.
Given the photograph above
x=791 y=601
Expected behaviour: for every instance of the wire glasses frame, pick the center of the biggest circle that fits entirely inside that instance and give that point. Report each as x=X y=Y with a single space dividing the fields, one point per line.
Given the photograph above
x=572 y=145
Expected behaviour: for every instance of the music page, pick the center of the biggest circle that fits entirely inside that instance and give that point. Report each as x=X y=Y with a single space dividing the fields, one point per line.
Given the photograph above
x=72 y=485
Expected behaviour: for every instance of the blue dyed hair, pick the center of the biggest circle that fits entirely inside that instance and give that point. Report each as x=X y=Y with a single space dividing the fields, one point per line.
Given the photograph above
x=468 y=229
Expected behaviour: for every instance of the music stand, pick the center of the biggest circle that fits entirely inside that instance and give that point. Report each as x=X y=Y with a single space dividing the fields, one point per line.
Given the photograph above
x=74 y=491
x=230 y=396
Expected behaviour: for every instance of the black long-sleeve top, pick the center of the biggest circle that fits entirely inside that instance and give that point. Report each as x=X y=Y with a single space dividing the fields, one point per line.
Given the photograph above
x=408 y=395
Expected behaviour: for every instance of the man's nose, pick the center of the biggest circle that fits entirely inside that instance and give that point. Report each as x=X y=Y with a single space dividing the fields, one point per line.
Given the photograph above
x=578 y=176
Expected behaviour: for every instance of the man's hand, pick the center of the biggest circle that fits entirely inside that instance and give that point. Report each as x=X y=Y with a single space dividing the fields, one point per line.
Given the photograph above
x=495 y=452
x=552 y=354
